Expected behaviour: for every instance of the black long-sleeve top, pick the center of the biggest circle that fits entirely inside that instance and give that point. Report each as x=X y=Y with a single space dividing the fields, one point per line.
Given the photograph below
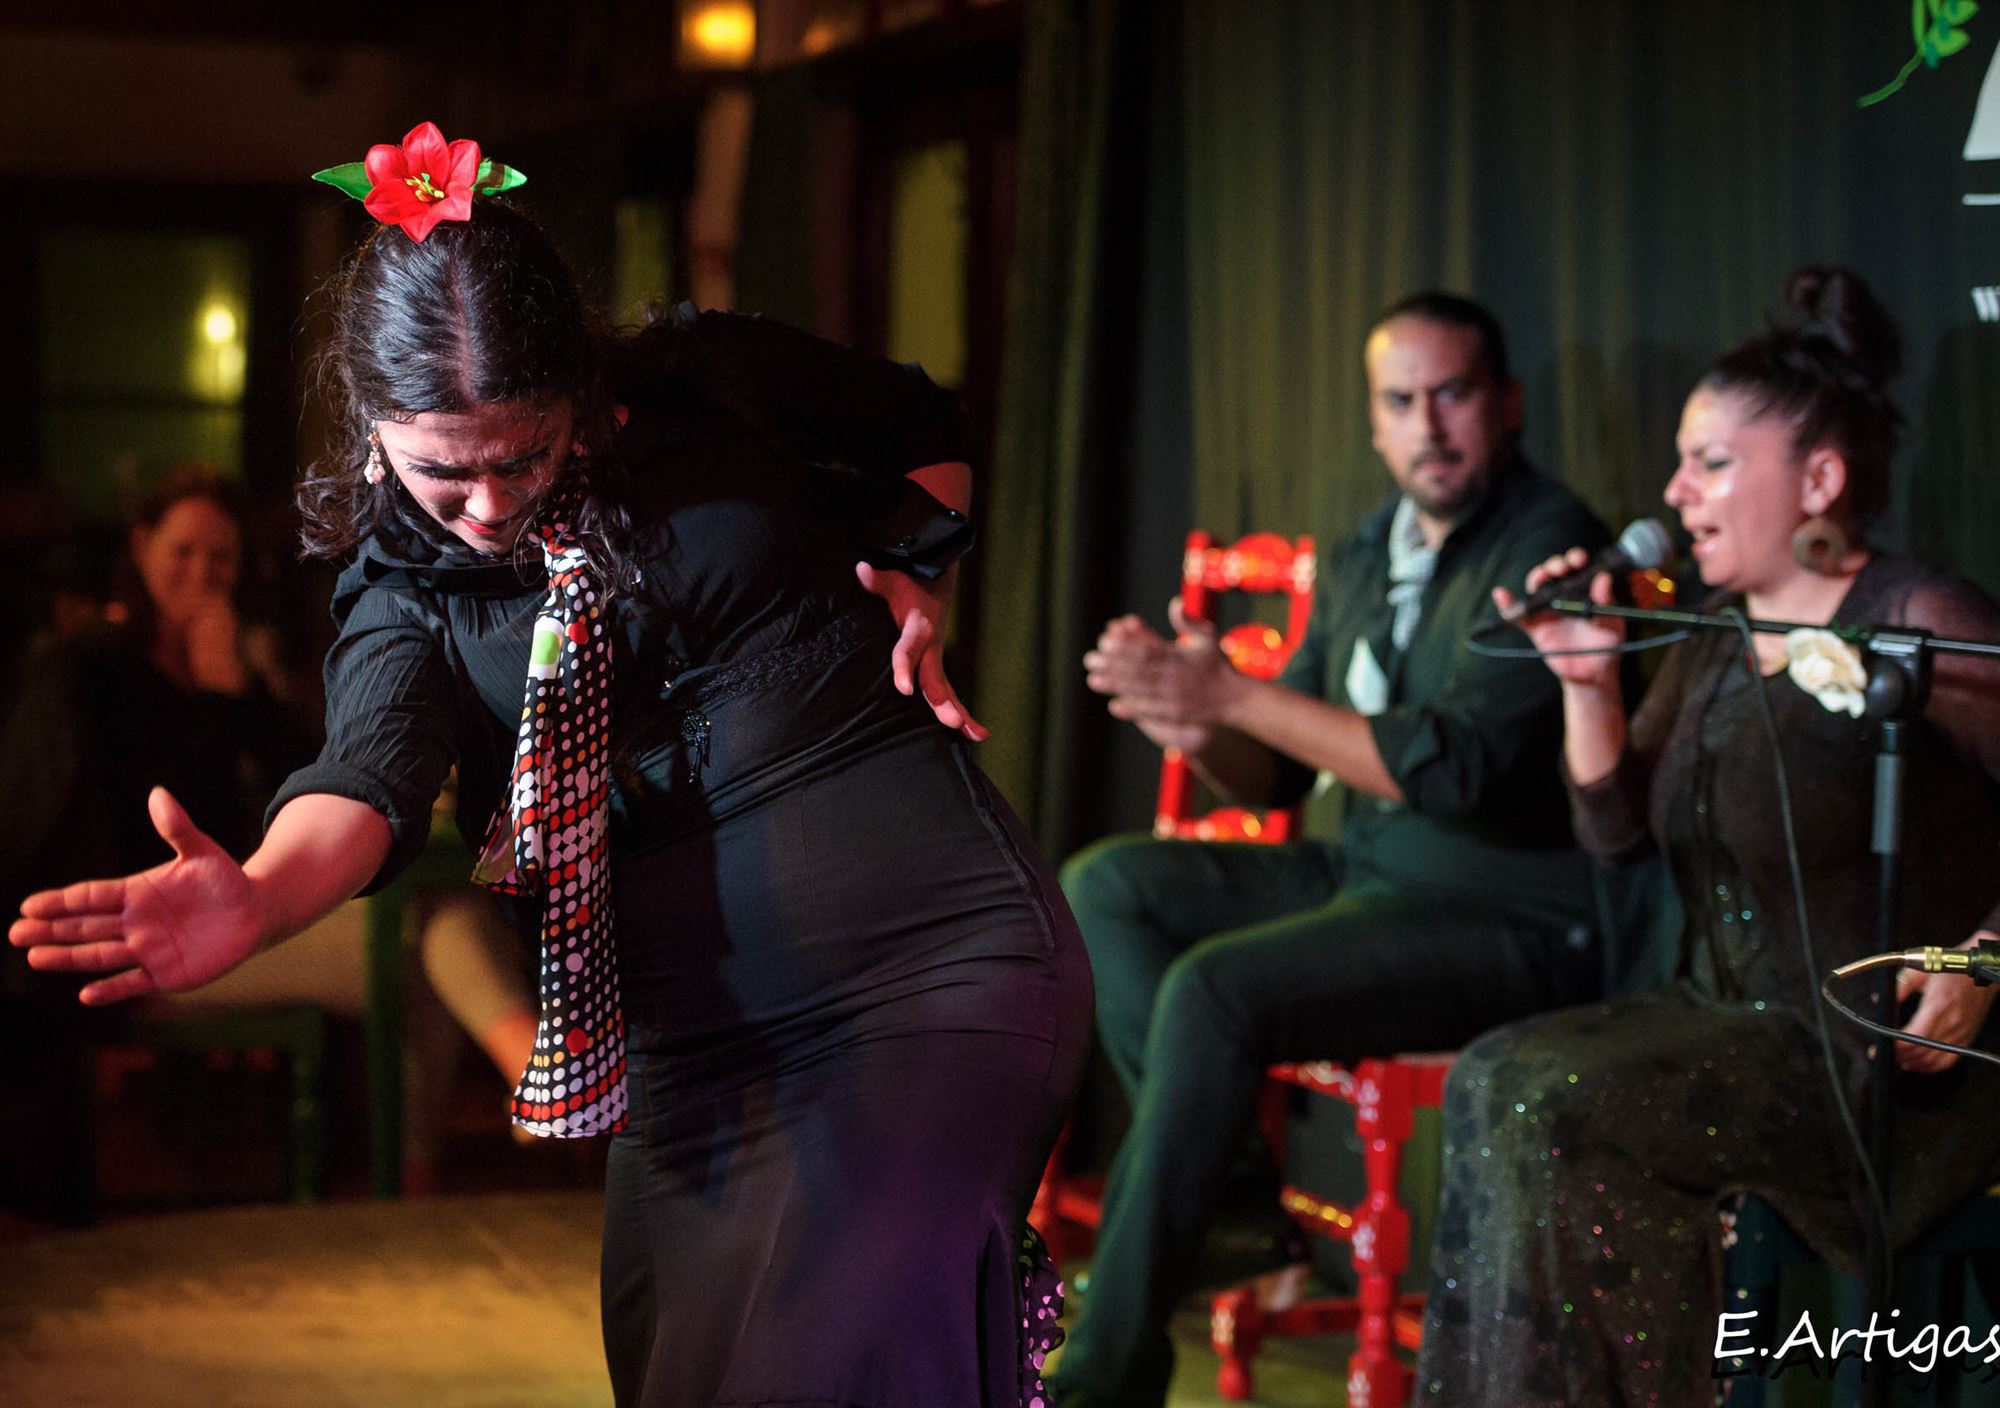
x=761 y=463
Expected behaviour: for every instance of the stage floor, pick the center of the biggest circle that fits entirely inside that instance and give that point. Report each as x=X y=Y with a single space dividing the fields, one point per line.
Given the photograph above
x=458 y=1302
x=478 y=1302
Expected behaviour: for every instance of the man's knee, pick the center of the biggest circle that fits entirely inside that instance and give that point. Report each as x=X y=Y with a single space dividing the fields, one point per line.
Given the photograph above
x=1107 y=878
x=1195 y=1007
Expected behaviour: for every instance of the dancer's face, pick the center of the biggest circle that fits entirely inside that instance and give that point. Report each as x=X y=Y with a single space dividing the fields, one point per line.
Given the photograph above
x=481 y=473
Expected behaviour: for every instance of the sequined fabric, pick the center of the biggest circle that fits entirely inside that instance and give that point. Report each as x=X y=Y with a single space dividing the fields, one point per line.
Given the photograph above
x=1041 y=1314
x=1578 y=1255
x=1576 y=1247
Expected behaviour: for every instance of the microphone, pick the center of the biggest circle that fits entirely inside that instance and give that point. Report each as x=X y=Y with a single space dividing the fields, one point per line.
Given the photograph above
x=1645 y=544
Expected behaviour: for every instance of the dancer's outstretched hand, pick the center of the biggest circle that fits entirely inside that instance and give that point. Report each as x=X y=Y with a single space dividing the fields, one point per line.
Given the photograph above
x=176 y=926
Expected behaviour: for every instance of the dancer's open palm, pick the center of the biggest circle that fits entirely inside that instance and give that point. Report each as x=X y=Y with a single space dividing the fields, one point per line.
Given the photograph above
x=179 y=925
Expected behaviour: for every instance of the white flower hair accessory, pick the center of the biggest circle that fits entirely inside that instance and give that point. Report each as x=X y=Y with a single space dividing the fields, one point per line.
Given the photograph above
x=1828 y=668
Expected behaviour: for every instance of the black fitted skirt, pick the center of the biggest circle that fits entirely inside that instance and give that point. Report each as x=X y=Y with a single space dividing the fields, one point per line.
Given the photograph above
x=856 y=1015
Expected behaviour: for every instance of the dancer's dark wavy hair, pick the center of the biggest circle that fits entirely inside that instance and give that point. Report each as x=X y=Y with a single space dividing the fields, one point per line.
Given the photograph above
x=483 y=311
x=1824 y=364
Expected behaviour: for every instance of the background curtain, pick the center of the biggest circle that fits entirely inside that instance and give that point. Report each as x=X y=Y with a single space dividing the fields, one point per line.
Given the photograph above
x=1084 y=324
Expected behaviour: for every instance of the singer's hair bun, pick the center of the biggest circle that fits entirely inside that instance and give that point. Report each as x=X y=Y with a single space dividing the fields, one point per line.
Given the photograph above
x=1824 y=364
x=1838 y=328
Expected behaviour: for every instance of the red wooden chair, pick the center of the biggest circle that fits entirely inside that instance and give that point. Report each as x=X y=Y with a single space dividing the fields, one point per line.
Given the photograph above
x=1385 y=1092
x=1267 y=563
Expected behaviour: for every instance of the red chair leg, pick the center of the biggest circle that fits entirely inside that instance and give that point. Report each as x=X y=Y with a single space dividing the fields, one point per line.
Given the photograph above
x=1384 y=1117
x=1377 y=1385
x=1235 y=1330
x=1376 y=1378
x=1386 y=1095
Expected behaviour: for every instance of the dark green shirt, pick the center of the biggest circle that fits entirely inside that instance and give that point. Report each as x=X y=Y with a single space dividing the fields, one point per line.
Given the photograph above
x=1473 y=742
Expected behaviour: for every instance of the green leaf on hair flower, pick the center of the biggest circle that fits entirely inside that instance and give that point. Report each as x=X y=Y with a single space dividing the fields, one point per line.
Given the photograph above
x=1951 y=42
x=351 y=178
x=495 y=177
x=1958 y=11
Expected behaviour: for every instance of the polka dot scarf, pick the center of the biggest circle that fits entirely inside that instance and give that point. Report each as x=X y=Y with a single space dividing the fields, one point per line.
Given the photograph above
x=552 y=841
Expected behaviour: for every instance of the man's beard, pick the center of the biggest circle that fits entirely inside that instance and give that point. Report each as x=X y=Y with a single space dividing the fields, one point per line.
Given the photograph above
x=1447 y=501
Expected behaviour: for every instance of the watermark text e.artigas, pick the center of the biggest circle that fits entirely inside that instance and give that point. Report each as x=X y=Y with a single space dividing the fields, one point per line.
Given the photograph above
x=1918 y=1348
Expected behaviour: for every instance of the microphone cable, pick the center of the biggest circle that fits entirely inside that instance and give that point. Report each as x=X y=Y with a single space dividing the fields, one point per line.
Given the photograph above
x=1878 y=1207
x=1982 y=966
x=1528 y=652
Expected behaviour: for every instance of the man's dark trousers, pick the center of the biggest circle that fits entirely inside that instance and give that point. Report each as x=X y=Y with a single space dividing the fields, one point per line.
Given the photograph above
x=1214 y=961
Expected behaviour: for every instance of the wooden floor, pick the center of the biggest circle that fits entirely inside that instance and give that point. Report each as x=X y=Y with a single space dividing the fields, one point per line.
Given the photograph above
x=487 y=1301
x=483 y=1298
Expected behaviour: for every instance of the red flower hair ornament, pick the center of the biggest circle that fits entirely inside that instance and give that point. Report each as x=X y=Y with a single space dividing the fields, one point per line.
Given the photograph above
x=422 y=181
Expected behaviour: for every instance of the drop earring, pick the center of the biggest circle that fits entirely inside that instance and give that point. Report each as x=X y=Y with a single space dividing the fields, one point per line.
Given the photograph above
x=1820 y=545
x=374 y=471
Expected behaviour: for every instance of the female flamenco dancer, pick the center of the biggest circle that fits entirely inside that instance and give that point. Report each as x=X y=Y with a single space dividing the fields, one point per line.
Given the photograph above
x=796 y=951
x=1578 y=1253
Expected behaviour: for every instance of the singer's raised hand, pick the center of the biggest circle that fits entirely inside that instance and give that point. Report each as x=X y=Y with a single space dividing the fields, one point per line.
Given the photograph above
x=176 y=926
x=1558 y=631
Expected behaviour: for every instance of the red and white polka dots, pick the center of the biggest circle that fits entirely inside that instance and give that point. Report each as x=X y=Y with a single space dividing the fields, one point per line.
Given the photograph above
x=558 y=820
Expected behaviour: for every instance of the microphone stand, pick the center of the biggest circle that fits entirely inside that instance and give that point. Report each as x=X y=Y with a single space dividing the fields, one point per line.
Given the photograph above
x=1897 y=659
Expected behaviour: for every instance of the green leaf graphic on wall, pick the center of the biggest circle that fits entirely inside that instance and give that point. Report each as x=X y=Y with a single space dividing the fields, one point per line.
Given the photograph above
x=1937 y=26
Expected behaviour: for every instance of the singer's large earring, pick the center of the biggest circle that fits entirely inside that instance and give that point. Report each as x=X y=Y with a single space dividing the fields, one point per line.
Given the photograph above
x=375 y=471
x=1820 y=545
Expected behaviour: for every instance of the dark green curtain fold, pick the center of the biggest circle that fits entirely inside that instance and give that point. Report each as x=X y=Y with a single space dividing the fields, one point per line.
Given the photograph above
x=774 y=262
x=1049 y=541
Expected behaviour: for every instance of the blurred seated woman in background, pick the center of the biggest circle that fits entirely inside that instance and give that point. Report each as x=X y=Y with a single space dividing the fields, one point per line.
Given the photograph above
x=1578 y=1248
x=175 y=690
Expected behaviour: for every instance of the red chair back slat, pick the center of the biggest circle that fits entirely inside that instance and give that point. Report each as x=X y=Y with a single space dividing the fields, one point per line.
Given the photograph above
x=1264 y=563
